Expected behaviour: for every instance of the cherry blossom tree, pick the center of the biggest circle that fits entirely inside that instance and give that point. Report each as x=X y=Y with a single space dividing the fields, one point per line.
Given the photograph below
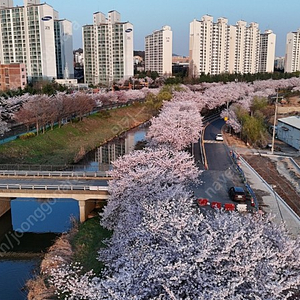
x=178 y=125
x=197 y=98
x=3 y=127
x=32 y=112
x=162 y=246
x=142 y=175
x=82 y=104
x=232 y=119
x=24 y=116
x=176 y=253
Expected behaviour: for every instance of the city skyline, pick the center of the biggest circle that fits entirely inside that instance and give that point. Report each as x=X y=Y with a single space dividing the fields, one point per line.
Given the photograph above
x=269 y=14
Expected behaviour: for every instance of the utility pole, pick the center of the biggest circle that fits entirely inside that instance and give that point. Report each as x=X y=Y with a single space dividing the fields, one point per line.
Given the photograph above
x=274 y=124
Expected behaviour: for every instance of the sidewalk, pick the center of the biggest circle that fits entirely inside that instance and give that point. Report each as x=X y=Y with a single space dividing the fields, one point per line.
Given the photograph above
x=272 y=202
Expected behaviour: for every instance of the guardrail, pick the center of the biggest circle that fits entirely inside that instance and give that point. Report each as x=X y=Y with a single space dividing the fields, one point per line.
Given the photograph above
x=54 y=174
x=52 y=187
x=235 y=157
x=295 y=164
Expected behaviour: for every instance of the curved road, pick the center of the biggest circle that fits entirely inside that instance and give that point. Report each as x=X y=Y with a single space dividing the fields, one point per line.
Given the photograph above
x=217 y=153
x=220 y=174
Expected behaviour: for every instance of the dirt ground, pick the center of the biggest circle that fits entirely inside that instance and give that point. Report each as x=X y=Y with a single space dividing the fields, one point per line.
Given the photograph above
x=277 y=172
x=267 y=169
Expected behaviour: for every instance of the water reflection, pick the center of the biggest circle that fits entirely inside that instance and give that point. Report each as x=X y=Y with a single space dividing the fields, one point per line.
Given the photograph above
x=33 y=215
x=43 y=215
x=101 y=158
x=14 y=275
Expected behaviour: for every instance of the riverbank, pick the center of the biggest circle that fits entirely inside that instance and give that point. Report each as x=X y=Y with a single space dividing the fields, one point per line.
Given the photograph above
x=80 y=245
x=68 y=144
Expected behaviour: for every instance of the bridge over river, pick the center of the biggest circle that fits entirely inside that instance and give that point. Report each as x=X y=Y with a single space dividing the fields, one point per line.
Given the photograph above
x=87 y=188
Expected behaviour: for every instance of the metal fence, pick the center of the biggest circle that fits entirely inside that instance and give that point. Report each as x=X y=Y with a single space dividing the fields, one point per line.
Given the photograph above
x=51 y=174
x=49 y=168
x=66 y=187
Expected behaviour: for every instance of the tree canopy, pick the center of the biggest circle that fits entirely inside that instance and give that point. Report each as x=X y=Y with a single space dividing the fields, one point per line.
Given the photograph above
x=162 y=246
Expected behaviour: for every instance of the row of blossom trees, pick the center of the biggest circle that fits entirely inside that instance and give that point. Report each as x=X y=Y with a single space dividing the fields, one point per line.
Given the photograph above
x=164 y=248
x=43 y=110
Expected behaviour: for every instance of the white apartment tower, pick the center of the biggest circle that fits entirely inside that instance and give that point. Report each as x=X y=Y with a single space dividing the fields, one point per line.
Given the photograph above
x=108 y=49
x=267 y=52
x=6 y=3
x=158 y=51
x=209 y=46
x=64 y=46
x=221 y=48
x=27 y=35
x=292 y=52
x=246 y=51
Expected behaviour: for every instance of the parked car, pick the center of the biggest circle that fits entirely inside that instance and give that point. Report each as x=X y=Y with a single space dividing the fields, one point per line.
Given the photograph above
x=219 y=137
x=237 y=193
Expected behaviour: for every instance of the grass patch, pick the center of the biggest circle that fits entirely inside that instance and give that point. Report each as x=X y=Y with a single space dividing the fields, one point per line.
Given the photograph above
x=87 y=242
x=67 y=145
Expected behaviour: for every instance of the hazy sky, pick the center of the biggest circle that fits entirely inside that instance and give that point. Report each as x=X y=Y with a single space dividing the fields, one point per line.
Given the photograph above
x=146 y=16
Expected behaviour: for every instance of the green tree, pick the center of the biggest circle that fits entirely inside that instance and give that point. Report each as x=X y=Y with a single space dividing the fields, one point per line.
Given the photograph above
x=253 y=126
x=258 y=104
x=153 y=104
x=253 y=129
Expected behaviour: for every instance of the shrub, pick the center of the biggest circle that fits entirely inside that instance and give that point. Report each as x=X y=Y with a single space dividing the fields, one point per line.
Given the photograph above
x=27 y=135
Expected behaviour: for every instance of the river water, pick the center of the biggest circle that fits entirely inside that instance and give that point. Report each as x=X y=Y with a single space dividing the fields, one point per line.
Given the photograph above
x=33 y=224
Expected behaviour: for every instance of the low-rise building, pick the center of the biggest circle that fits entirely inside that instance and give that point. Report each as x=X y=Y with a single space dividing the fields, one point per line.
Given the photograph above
x=12 y=76
x=288 y=131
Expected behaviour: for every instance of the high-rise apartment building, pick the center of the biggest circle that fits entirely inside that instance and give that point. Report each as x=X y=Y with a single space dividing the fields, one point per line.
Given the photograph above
x=6 y=3
x=208 y=46
x=108 y=49
x=267 y=52
x=221 y=48
x=246 y=53
x=27 y=35
x=63 y=33
x=292 y=52
x=158 y=51
x=279 y=63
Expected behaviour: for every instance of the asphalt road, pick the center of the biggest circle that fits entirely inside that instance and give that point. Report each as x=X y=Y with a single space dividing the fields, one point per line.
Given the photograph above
x=217 y=153
x=221 y=173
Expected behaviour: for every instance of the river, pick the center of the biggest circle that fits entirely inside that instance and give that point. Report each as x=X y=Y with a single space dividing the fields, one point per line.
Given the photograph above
x=31 y=226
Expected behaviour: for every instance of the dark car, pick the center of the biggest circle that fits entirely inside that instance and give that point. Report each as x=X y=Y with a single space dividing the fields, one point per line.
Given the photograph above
x=237 y=193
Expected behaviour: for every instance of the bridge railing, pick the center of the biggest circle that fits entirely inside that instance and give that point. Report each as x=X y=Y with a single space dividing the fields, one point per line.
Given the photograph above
x=73 y=174
x=53 y=187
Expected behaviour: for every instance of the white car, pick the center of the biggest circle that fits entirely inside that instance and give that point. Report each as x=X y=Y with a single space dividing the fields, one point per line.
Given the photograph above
x=219 y=137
